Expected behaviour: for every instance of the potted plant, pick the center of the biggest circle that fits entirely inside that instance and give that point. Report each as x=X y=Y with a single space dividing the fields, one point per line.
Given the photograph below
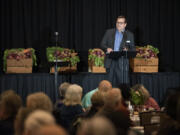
x=64 y=55
x=147 y=52
x=19 y=60
x=146 y=59
x=137 y=99
x=96 y=60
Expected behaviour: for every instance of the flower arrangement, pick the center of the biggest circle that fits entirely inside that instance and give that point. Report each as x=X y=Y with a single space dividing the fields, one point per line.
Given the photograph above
x=137 y=97
x=18 y=54
x=96 y=56
x=63 y=54
x=147 y=52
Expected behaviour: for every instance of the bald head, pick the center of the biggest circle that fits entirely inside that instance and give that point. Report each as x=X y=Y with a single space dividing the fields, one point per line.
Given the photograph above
x=104 y=86
x=51 y=130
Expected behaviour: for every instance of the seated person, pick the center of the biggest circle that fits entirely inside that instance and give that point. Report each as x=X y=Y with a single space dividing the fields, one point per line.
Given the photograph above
x=10 y=103
x=62 y=90
x=104 y=86
x=170 y=123
x=149 y=102
x=72 y=106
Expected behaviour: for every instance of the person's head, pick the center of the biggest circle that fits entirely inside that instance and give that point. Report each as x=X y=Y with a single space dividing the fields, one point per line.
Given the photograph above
x=51 y=130
x=140 y=88
x=104 y=86
x=97 y=99
x=62 y=89
x=20 y=120
x=172 y=106
x=10 y=103
x=96 y=126
x=39 y=100
x=73 y=95
x=121 y=23
x=113 y=99
x=36 y=120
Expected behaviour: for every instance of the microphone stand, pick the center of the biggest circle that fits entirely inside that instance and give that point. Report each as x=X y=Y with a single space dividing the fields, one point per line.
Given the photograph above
x=56 y=65
x=125 y=64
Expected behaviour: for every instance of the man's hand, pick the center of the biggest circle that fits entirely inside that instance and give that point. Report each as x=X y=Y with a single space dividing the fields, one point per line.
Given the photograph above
x=125 y=49
x=109 y=50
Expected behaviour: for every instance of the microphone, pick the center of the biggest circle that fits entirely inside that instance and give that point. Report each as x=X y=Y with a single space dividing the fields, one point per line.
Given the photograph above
x=127 y=45
x=56 y=33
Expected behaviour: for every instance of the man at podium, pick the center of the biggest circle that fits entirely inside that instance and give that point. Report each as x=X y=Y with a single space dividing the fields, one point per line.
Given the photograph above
x=118 y=40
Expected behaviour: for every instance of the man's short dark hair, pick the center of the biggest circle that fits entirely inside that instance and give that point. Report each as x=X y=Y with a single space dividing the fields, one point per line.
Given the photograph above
x=122 y=16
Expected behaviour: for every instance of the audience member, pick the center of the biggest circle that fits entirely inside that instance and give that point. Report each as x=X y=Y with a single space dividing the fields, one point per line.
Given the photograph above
x=36 y=120
x=21 y=116
x=62 y=91
x=104 y=86
x=170 y=123
x=96 y=126
x=97 y=101
x=72 y=105
x=114 y=110
x=39 y=100
x=149 y=102
x=10 y=103
x=51 y=130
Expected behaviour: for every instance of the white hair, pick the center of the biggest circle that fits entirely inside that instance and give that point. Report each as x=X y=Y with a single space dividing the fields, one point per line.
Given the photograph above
x=73 y=95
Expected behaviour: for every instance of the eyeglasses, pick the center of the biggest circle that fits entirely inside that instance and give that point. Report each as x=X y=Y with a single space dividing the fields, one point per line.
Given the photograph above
x=120 y=23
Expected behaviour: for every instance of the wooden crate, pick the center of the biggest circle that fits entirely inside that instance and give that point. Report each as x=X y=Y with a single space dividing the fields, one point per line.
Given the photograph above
x=144 y=65
x=19 y=63
x=145 y=69
x=19 y=66
x=95 y=69
x=64 y=69
x=19 y=70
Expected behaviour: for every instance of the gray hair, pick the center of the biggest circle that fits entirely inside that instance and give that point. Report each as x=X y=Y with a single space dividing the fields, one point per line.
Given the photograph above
x=63 y=88
x=73 y=95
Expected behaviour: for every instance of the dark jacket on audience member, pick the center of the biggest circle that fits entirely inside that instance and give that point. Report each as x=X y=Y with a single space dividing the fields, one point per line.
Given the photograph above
x=68 y=114
x=7 y=126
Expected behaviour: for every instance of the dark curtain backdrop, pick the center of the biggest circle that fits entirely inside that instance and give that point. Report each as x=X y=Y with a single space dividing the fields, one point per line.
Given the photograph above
x=82 y=23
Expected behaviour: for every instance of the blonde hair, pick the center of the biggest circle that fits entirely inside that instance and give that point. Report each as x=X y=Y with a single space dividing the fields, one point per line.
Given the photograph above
x=39 y=100
x=37 y=119
x=73 y=95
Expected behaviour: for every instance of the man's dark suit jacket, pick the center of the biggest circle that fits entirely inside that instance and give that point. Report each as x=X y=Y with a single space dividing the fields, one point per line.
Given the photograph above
x=109 y=39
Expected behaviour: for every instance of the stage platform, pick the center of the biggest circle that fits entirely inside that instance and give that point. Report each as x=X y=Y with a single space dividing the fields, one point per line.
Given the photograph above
x=24 y=84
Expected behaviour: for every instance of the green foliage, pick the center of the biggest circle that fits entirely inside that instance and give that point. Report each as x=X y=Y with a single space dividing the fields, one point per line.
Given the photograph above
x=137 y=98
x=74 y=60
x=97 y=57
x=64 y=54
x=155 y=50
